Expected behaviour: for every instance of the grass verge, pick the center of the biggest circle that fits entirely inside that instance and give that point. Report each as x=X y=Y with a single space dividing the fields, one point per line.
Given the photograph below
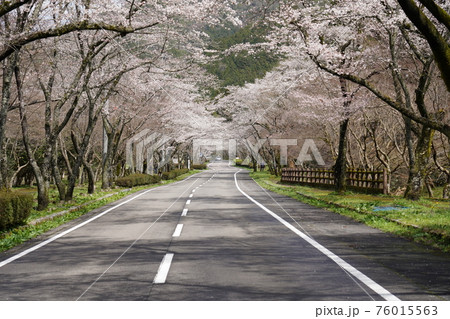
x=426 y=221
x=80 y=205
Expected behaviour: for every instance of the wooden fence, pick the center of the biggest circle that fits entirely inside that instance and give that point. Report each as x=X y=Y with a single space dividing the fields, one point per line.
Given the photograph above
x=357 y=179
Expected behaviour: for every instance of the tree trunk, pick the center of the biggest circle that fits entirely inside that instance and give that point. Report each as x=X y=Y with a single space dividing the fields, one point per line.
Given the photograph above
x=106 y=159
x=71 y=183
x=81 y=152
x=340 y=167
x=91 y=178
x=254 y=164
x=8 y=72
x=446 y=171
x=107 y=174
x=418 y=171
x=410 y=147
x=429 y=185
x=43 y=183
x=15 y=180
x=57 y=177
x=389 y=178
x=446 y=190
x=113 y=134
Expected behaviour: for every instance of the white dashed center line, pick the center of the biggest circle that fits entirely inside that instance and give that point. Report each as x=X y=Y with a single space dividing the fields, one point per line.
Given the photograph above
x=178 y=230
x=184 y=213
x=188 y=202
x=163 y=270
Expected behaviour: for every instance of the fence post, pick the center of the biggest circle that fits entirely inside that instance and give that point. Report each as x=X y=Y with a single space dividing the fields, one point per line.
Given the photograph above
x=385 y=181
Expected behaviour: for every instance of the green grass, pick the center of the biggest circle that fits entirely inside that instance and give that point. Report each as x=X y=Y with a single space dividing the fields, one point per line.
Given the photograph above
x=426 y=221
x=16 y=236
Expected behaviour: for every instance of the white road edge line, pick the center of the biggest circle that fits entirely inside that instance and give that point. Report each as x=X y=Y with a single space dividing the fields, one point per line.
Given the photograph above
x=178 y=230
x=385 y=294
x=52 y=239
x=184 y=213
x=163 y=269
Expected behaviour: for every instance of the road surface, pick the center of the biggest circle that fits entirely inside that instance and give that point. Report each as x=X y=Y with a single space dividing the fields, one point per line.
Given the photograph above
x=218 y=236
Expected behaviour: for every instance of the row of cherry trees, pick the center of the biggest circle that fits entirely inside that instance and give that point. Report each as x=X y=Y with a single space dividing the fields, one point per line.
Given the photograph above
x=377 y=70
x=74 y=70
x=372 y=44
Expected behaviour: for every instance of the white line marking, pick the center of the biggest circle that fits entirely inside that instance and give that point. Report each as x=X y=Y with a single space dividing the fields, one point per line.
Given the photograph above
x=188 y=202
x=339 y=261
x=178 y=230
x=52 y=239
x=163 y=269
x=190 y=196
x=48 y=241
x=194 y=190
x=184 y=213
x=129 y=247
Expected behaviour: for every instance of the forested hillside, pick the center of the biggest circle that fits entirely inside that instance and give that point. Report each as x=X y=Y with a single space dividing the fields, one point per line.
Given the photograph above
x=238 y=68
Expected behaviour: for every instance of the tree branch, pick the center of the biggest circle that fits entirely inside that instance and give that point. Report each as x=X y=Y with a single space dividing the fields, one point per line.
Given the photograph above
x=438 y=44
x=20 y=41
x=8 y=6
x=441 y=127
x=440 y=14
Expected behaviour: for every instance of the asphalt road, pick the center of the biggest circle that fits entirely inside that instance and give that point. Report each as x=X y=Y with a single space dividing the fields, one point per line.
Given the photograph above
x=218 y=236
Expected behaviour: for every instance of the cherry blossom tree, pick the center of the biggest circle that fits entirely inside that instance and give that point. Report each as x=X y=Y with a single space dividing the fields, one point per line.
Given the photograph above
x=371 y=44
x=26 y=22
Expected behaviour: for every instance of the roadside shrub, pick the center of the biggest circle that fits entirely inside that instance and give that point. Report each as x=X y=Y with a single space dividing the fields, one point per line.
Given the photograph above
x=174 y=173
x=137 y=179
x=180 y=171
x=167 y=175
x=155 y=179
x=199 y=166
x=238 y=161
x=15 y=208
